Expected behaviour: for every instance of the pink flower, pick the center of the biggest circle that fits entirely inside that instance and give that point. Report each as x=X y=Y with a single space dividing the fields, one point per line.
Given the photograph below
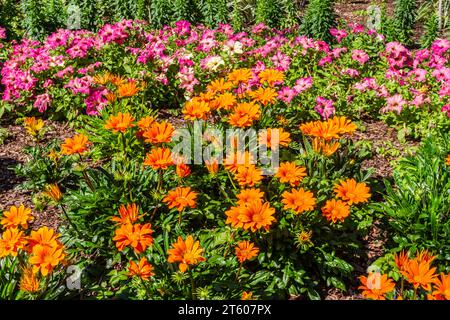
x=394 y=103
x=440 y=46
x=182 y=27
x=419 y=74
x=360 y=56
x=302 y=84
x=351 y=72
x=95 y=101
x=446 y=109
x=2 y=33
x=42 y=102
x=339 y=34
x=286 y=94
x=281 y=61
x=324 y=107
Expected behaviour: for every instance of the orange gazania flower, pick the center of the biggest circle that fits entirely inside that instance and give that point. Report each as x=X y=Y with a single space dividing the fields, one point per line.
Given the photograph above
x=102 y=78
x=159 y=133
x=401 y=260
x=111 y=97
x=127 y=214
x=321 y=129
x=375 y=286
x=225 y=101
x=289 y=172
x=28 y=281
x=247 y=295
x=246 y=250
x=240 y=75
x=248 y=175
x=183 y=170
x=233 y=216
x=120 y=122
x=143 y=269
x=181 y=198
x=442 y=287
x=138 y=236
x=128 y=89
x=279 y=137
x=298 y=200
x=78 y=144
x=196 y=109
x=324 y=147
x=53 y=192
x=271 y=76
x=264 y=95
x=11 y=241
x=212 y=165
x=352 y=192
x=255 y=215
x=343 y=124
x=145 y=123
x=219 y=85
x=159 y=158
x=234 y=160
x=33 y=125
x=244 y=114
x=424 y=255
x=447 y=160
x=185 y=252
x=17 y=216
x=335 y=210
x=419 y=273
x=45 y=258
x=248 y=195
x=44 y=236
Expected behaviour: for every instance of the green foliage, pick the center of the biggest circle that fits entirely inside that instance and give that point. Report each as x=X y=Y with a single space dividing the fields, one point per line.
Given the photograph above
x=160 y=13
x=319 y=19
x=267 y=12
x=4 y=134
x=404 y=19
x=236 y=16
x=431 y=31
x=417 y=203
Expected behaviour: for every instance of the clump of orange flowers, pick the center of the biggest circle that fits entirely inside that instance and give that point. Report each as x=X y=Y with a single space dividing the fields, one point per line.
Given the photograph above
x=327 y=133
x=251 y=211
x=417 y=271
x=234 y=94
x=45 y=252
x=186 y=252
x=350 y=192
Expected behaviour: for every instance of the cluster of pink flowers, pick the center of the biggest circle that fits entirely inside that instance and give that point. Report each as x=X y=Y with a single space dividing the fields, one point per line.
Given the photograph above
x=186 y=57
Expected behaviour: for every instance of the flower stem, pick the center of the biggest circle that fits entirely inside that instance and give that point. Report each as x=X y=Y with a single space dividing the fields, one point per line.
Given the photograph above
x=70 y=221
x=193 y=289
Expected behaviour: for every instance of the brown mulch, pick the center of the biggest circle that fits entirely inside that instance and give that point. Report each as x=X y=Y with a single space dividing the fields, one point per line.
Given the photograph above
x=12 y=154
x=382 y=137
